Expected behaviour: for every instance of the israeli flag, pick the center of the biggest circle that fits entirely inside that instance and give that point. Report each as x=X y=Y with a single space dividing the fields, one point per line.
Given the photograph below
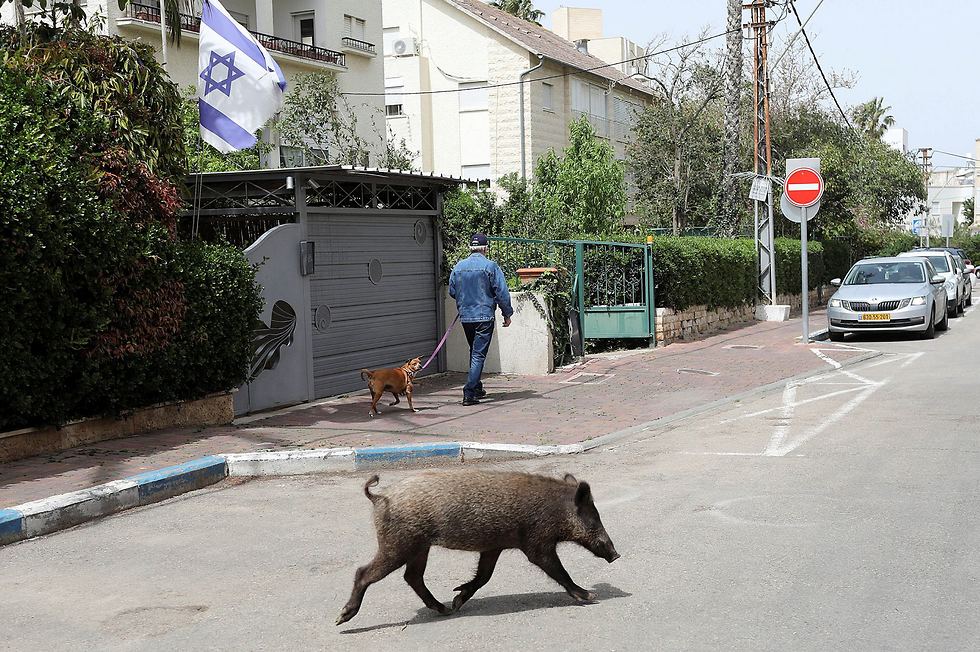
x=240 y=86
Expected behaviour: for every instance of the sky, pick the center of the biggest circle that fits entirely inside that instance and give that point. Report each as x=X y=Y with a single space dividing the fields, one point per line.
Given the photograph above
x=917 y=55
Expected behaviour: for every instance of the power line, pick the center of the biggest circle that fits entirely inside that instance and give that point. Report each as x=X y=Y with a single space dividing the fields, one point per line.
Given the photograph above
x=968 y=158
x=556 y=76
x=789 y=43
x=819 y=67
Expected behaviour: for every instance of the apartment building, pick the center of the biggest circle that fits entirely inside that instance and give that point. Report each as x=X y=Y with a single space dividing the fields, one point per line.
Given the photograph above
x=583 y=26
x=453 y=73
x=342 y=36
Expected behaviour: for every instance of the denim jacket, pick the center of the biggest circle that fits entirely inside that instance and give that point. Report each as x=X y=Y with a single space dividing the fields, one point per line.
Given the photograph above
x=479 y=286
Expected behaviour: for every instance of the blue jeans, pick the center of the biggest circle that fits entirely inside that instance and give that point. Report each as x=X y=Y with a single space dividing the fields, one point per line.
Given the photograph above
x=478 y=334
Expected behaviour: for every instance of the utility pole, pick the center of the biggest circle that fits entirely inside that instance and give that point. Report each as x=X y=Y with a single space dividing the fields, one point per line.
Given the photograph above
x=733 y=96
x=763 y=150
x=926 y=154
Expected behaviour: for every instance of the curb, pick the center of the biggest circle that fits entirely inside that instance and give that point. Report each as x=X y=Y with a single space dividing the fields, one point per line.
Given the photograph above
x=63 y=511
x=66 y=510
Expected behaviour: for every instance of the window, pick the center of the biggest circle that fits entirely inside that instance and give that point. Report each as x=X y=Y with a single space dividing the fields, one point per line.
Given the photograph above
x=240 y=18
x=547 y=96
x=477 y=99
x=297 y=157
x=590 y=100
x=354 y=27
x=477 y=173
x=624 y=117
x=394 y=104
x=303 y=27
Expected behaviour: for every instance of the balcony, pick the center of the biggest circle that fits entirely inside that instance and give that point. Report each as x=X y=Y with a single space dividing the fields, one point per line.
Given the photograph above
x=355 y=46
x=192 y=24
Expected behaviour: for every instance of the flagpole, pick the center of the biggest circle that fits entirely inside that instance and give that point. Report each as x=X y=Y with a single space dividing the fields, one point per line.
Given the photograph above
x=163 y=31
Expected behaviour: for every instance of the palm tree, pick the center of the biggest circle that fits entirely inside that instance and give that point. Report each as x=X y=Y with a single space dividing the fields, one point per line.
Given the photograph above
x=523 y=9
x=872 y=117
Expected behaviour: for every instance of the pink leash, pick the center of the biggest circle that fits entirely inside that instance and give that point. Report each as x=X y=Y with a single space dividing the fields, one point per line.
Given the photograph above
x=441 y=343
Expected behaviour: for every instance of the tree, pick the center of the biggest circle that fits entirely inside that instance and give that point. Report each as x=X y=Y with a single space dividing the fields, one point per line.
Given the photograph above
x=318 y=119
x=733 y=99
x=396 y=154
x=676 y=153
x=968 y=211
x=583 y=191
x=872 y=117
x=523 y=9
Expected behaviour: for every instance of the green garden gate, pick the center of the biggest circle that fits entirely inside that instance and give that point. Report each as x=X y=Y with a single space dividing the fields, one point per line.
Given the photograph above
x=611 y=282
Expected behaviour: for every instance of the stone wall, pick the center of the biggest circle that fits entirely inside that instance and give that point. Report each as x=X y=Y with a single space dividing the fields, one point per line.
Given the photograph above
x=695 y=322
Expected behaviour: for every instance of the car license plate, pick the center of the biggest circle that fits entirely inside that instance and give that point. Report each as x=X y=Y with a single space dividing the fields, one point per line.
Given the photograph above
x=876 y=316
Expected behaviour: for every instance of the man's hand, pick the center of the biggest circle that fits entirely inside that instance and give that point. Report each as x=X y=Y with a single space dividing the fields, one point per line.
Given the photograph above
x=506 y=322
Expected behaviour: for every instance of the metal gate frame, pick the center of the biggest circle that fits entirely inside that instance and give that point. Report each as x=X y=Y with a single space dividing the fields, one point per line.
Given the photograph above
x=635 y=319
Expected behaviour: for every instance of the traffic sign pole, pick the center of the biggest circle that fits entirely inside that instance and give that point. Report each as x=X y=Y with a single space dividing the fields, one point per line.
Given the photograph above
x=804 y=263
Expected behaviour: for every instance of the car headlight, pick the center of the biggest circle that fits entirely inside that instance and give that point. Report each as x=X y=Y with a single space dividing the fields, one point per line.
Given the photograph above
x=918 y=301
x=836 y=303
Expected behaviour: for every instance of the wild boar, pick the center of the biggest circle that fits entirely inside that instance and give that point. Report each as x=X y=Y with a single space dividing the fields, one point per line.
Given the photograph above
x=482 y=511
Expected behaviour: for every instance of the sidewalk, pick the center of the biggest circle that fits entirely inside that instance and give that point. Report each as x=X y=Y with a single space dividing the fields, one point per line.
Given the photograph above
x=605 y=394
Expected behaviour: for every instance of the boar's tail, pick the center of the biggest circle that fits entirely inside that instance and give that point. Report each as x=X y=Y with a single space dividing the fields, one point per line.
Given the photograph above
x=372 y=481
x=366 y=374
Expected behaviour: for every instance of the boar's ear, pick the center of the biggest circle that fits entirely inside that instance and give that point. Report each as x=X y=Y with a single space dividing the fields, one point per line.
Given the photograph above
x=570 y=479
x=583 y=495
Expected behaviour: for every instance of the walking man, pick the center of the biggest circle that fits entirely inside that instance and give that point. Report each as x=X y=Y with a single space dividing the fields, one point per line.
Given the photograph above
x=479 y=287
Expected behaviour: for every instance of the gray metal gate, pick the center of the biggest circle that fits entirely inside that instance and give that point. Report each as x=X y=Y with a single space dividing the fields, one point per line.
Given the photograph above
x=373 y=294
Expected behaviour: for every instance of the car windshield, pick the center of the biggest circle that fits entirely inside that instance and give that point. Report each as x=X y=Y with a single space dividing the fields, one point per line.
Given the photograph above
x=876 y=273
x=940 y=263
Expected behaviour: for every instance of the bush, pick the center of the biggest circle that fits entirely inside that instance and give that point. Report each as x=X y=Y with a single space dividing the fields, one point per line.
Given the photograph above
x=102 y=308
x=837 y=259
x=696 y=270
x=789 y=279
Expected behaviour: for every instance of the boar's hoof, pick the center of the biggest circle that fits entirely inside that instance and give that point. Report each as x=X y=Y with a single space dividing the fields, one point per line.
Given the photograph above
x=443 y=610
x=346 y=615
x=584 y=598
x=415 y=409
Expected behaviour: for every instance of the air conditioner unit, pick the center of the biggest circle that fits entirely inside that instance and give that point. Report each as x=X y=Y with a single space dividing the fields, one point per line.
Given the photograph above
x=402 y=47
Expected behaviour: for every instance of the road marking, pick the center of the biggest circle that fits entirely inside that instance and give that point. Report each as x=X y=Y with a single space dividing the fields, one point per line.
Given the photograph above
x=826 y=358
x=834 y=418
x=782 y=429
x=795 y=404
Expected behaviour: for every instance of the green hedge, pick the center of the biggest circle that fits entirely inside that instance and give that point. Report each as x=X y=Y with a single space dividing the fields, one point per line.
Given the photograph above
x=696 y=270
x=102 y=308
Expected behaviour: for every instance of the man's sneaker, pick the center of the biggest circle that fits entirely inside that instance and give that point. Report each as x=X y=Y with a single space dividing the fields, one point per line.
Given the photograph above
x=471 y=401
x=480 y=393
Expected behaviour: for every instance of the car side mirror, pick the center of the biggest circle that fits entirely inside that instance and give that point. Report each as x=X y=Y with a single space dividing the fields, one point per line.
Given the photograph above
x=835 y=282
x=937 y=280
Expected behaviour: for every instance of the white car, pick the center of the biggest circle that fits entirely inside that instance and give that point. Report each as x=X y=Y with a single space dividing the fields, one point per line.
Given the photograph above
x=953 y=277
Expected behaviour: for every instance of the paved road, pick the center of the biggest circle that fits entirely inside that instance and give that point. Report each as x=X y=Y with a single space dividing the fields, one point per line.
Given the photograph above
x=839 y=513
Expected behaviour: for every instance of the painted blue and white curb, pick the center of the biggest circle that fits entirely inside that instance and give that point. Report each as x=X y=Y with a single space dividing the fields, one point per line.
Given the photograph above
x=326 y=460
x=63 y=511
x=66 y=510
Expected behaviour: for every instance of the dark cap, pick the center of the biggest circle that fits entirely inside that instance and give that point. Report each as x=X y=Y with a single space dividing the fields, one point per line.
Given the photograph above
x=478 y=240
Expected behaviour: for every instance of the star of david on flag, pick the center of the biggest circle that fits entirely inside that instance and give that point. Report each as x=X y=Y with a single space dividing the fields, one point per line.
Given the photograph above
x=241 y=86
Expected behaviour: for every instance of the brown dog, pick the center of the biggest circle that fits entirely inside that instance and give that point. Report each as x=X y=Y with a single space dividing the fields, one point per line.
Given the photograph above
x=397 y=380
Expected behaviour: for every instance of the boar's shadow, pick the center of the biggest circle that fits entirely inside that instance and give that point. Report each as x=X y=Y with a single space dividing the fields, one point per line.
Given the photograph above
x=498 y=605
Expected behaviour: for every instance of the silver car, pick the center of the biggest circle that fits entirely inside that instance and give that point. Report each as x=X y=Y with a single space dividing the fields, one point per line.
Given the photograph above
x=889 y=294
x=953 y=277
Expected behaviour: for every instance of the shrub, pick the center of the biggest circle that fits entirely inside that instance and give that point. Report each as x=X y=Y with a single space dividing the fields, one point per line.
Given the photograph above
x=789 y=279
x=698 y=270
x=102 y=308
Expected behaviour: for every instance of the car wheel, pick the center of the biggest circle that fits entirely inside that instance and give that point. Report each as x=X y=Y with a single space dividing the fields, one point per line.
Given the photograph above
x=959 y=308
x=943 y=325
x=930 y=331
x=969 y=298
x=954 y=312
x=835 y=336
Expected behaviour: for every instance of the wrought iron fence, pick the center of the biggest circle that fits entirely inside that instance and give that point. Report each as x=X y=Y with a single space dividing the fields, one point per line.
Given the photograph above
x=612 y=282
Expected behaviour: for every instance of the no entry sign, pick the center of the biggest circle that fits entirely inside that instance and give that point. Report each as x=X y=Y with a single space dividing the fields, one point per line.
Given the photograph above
x=803 y=187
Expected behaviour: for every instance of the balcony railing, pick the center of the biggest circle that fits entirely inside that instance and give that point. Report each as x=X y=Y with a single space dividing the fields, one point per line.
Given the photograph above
x=355 y=44
x=188 y=23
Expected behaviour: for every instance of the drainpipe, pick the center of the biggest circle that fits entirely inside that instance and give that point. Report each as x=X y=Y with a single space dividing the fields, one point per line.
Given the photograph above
x=520 y=80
